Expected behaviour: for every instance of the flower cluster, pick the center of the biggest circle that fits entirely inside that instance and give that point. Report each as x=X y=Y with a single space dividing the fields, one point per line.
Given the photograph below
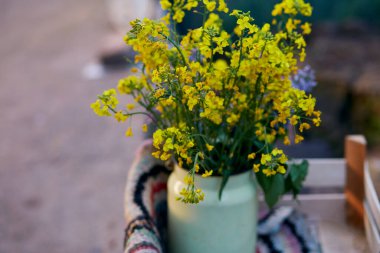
x=220 y=101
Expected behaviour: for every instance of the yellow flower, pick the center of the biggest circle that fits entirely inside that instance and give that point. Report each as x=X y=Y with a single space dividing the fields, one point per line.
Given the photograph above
x=306 y=28
x=207 y=173
x=276 y=152
x=189 y=160
x=251 y=156
x=138 y=98
x=302 y=55
x=294 y=120
x=244 y=23
x=266 y=27
x=273 y=123
x=269 y=172
x=281 y=169
x=168 y=102
x=298 y=138
x=168 y=145
x=129 y=132
x=290 y=25
x=196 y=168
x=144 y=128
x=300 y=42
x=223 y=6
x=190 y=5
x=165 y=156
x=159 y=93
x=159 y=108
x=190 y=144
x=110 y=92
x=304 y=126
x=126 y=85
x=156 y=154
x=166 y=18
x=233 y=119
x=277 y=10
x=307 y=105
x=317 y=114
x=120 y=117
x=200 y=194
x=180 y=162
x=109 y=98
x=306 y=9
x=158 y=138
x=96 y=105
x=156 y=77
x=178 y=15
x=210 y=5
x=188 y=180
x=209 y=147
x=193 y=101
x=222 y=64
x=235 y=12
x=100 y=109
x=265 y=158
x=256 y=168
x=165 y=4
x=281 y=130
x=286 y=140
x=130 y=106
x=317 y=121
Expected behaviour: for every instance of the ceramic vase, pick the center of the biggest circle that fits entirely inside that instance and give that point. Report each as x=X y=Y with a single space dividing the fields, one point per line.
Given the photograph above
x=226 y=225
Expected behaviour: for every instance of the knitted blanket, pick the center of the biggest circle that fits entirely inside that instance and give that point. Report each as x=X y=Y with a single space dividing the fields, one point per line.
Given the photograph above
x=282 y=230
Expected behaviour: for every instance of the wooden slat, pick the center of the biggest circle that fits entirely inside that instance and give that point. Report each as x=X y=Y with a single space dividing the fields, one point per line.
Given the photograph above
x=355 y=154
x=326 y=173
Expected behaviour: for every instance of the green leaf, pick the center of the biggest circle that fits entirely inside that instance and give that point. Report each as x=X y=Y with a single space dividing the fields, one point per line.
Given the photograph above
x=276 y=190
x=297 y=176
x=273 y=187
x=226 y=175
x=263 y=181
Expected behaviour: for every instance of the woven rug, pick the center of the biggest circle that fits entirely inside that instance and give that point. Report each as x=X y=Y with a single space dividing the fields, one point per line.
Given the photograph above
x=282 y=230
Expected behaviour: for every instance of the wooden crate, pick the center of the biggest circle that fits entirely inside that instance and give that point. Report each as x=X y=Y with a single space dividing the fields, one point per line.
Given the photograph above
x=333 y=199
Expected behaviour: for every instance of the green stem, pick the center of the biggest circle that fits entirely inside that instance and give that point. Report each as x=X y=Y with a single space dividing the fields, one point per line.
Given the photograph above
x=137 y=113
x=177 y=47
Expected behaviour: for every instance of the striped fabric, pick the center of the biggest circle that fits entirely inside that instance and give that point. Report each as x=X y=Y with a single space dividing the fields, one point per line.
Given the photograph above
x=283 y=230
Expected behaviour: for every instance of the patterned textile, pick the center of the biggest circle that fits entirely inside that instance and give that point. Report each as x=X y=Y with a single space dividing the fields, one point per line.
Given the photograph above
x=282 y=230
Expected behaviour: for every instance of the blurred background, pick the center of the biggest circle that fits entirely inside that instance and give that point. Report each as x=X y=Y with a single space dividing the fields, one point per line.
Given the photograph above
x=63 y=170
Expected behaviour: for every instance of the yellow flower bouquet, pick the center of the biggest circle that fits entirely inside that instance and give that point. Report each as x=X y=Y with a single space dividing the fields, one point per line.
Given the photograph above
x=220 y=102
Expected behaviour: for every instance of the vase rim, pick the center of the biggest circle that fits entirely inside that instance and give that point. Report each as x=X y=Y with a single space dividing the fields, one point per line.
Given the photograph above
x=234 y=181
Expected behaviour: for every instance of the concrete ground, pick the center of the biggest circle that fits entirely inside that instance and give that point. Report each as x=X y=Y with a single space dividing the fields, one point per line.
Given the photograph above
x=62 y=169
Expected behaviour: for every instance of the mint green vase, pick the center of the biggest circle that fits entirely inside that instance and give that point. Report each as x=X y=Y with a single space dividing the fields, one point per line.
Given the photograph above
x=213 y=226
